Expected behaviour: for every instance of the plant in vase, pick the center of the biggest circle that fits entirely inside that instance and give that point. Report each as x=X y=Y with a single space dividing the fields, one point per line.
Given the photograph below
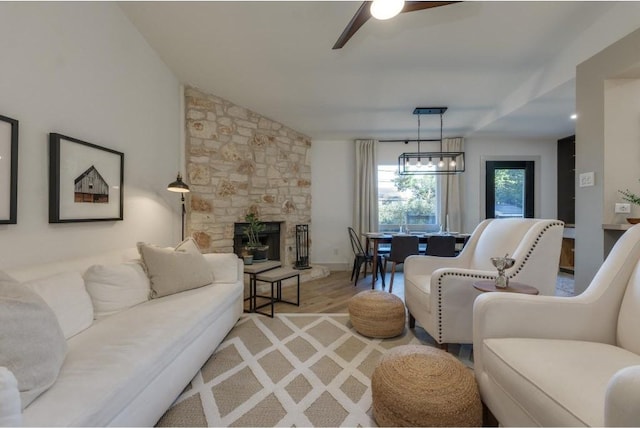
x=252 y=231
x=629 y=196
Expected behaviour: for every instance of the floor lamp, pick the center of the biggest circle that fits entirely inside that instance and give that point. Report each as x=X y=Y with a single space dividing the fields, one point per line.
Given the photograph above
x=179 y=186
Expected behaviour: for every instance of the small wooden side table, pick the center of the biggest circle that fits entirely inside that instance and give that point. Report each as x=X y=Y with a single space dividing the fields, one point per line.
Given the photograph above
x=514 y=287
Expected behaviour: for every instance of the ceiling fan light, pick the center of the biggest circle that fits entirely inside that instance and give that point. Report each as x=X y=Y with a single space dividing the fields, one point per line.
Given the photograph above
x=385 y=9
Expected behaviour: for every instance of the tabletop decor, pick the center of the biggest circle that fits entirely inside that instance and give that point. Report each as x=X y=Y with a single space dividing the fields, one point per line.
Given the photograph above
x=254 y=246
x=85 y=181
x=629 y=196
x=502 y=263
x=8 y=170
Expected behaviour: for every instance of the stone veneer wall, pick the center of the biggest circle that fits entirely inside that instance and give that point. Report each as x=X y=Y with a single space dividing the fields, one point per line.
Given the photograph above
x=239 y=162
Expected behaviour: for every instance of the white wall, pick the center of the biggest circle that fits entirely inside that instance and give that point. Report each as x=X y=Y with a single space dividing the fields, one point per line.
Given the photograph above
x=81 y=69
x=622 y=151
x=332 y=193
x=592 y=145
x=479 y=150
x=333 y=166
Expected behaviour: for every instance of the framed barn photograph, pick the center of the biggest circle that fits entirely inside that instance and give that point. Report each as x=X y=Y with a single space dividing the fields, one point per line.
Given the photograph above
x=85 y=181
x=8 y=170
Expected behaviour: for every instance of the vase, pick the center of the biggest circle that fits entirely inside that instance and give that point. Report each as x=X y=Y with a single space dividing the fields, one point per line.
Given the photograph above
x=502 y=263
x=259 y=253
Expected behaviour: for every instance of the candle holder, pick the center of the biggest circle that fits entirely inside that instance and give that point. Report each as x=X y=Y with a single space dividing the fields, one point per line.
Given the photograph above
x=502 y=263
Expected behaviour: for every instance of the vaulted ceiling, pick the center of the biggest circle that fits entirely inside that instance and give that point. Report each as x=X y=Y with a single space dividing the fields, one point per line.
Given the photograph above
x=504 y=69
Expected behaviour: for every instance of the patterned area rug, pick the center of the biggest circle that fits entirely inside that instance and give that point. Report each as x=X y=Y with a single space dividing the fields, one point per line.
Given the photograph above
x=292 y=370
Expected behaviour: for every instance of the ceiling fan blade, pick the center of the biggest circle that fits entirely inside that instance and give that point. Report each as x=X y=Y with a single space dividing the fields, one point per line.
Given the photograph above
x=358 y=20
x=412 y=6
x=363 y=14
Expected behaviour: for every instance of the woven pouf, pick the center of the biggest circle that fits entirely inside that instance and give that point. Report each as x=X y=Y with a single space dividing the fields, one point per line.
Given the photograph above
x=416 y=385
x=377 y=314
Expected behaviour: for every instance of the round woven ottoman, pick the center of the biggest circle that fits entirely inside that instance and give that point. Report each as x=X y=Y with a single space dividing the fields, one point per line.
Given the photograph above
x=377 y=314
x=417 y=385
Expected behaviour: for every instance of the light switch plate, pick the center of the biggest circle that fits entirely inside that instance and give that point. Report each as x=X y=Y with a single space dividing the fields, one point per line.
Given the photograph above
x=622 y=208
x=586 y=179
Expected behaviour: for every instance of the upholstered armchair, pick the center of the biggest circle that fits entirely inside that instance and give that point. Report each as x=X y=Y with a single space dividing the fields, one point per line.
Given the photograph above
x=565 y=361
x=439 y=291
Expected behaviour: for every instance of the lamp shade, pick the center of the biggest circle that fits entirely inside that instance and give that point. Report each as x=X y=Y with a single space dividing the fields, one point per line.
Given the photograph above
x=178 y=185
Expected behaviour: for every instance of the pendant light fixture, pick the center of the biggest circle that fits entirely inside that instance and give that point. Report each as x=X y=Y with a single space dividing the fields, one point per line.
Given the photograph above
x=438 y=162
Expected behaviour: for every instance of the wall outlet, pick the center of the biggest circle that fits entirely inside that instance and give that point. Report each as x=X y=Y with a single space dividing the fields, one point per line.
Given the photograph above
x=622 y=208
x=586 y=179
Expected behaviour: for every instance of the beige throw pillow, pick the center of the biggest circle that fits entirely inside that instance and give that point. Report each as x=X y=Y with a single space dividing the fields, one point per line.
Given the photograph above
x=171 y=271
x=114 y=288
x=32 y=344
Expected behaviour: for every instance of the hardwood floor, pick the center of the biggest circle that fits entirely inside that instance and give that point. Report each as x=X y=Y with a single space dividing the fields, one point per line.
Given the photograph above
x=332 y=293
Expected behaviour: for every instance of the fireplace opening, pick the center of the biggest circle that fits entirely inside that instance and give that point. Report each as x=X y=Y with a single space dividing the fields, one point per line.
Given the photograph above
x=269 y=236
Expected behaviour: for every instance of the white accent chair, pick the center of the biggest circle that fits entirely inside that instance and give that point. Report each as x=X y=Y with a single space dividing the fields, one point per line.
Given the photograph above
x=565 y=361
x=439 y=291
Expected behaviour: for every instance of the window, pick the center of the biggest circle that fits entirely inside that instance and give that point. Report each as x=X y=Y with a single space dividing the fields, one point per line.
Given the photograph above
x=509 y=188
x=406 y=200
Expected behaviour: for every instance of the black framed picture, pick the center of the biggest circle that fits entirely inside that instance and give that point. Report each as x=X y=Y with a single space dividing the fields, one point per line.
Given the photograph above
x=85 y=181
x=8 y=170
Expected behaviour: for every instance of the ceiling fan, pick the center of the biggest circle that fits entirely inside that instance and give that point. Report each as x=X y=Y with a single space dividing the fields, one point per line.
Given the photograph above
x=365 y=12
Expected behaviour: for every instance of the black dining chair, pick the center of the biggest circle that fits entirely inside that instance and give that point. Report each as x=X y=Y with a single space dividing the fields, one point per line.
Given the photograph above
x=362 y=256
x=441 y=246
x=401 y=247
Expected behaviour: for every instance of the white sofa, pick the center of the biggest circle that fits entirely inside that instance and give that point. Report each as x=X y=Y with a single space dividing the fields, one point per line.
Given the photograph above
x=127 y=368
x=439 y=291
x=565 y=361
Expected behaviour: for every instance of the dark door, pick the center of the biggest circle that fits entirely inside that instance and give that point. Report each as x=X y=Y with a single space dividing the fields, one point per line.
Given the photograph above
x=509 y=189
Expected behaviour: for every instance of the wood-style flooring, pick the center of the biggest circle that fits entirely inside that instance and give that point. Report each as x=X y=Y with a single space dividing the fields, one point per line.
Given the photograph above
x=332 y=293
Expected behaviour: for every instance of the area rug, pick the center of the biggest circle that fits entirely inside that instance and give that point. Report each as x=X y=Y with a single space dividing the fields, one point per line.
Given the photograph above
x=292 y=370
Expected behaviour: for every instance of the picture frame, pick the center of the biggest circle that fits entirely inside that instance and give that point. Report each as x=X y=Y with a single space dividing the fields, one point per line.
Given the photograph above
x=8 y=170
x=85 y=181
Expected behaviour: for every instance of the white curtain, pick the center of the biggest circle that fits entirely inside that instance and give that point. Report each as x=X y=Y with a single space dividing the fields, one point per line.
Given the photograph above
x=365 y=216
x=448 y=191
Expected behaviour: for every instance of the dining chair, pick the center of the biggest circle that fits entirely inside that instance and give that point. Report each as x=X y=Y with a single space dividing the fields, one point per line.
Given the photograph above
x=402 y=246
x=441 y=246
x=362 y=256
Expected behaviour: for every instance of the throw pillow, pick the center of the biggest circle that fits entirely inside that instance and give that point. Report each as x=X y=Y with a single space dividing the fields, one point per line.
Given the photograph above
x=66 y=295
x=33 y=345
x=116 y=287
x=172 y=271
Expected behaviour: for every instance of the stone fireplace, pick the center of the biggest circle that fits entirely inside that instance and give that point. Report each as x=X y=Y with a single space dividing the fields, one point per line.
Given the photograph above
x=240 y=162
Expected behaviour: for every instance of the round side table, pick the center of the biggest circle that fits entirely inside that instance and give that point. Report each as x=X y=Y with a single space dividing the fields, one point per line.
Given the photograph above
x=514 y=287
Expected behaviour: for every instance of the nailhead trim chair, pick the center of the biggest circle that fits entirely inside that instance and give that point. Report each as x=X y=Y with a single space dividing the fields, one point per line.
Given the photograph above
x=439 y=291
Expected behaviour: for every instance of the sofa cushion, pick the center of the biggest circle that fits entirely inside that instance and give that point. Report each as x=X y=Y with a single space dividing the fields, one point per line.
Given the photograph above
x=32 y=345
x=172 y=271
x=114 y=288
x=66 y=295
x=418 y=287
x=10 y=408
x=549 y=377
x=629 y=316
x=109 y=364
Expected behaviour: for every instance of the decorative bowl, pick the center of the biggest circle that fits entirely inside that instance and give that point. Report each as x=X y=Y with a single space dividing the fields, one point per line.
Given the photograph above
x=633 y=220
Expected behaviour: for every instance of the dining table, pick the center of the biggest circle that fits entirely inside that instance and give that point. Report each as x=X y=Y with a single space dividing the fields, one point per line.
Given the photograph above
x=374 y=239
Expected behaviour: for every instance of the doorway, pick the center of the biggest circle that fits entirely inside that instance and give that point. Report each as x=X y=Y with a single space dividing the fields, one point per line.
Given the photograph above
x=509 y=189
